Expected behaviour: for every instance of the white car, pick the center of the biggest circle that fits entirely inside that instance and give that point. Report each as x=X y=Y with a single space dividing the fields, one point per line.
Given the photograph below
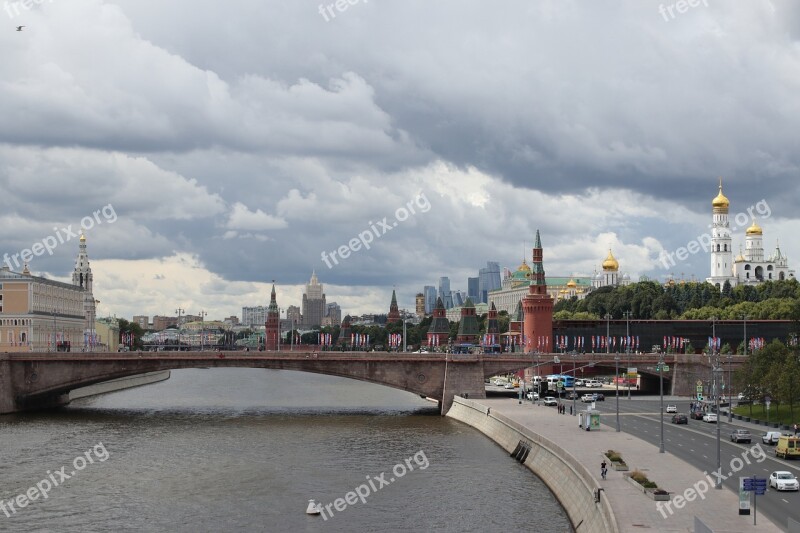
x=579 y=383
x=508 y=386
x=710 y=417
x=783 y=480
x=672 y=408
x=533 y=395
x=592 y=383
x=549 y=400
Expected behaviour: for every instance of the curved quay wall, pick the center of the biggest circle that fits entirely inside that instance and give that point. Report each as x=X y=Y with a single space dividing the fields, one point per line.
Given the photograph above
x=570 y=481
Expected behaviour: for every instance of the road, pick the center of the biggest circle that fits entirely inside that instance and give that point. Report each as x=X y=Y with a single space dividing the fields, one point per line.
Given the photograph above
x=696 y=443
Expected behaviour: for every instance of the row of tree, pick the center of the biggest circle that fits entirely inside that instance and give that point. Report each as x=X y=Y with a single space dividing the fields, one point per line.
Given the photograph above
x=771 y=300
x=771 y=371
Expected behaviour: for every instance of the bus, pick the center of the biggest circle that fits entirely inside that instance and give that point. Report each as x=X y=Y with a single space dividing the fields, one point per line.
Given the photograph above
x=567 y=381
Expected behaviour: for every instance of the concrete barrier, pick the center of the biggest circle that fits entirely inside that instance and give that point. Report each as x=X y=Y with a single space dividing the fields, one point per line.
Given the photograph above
x=119 y=384
x=571 y=482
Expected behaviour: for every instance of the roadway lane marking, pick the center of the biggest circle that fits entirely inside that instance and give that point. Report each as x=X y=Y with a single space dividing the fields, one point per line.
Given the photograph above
x=784 y=499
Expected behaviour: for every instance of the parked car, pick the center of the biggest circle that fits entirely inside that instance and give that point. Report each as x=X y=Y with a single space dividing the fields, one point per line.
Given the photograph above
x=599 y=397
x=771 y=437
x=587 y=398
x=533 y=395
x=592 y=383
x=579 y=383
x=711 y=418
x=680 y=419
x=782 y=480
x=672 y=408
x=549 y=400
x=741 y=435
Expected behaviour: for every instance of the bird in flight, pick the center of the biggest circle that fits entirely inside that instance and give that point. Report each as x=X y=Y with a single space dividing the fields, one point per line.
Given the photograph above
x=19 y=28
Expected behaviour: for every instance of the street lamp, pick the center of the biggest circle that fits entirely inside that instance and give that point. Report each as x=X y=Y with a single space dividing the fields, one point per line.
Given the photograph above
x=628 y=348
x=744 y=340
x=55 y=346
x=616 y=364
x=661 y=392
x=203 y=315
x=730 y=397
x=179 y=311
x=574 y=395
x=718 y=484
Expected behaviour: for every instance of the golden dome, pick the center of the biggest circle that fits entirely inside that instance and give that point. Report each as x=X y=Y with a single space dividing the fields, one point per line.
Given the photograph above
x=610 y=263
x=83 y=237
x=523 y=267
x=571 y=283
x=754 y=229
x=721 y=201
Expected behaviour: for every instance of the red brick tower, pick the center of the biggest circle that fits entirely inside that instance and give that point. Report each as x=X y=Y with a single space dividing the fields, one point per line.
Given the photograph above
x=394 y=313
x=273 y=324
x=439 y=330
x=538 y=306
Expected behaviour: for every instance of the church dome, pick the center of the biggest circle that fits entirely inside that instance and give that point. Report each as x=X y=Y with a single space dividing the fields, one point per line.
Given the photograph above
x=523 y=267
x=754 y=229
x=721 y=202
x=610 y=263
x=571 y=283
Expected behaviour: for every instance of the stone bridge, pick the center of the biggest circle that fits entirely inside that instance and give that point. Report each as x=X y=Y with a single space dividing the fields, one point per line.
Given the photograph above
x=41 y=380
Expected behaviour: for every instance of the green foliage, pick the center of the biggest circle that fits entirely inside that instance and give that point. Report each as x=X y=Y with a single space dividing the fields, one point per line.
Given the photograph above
x=772 y=300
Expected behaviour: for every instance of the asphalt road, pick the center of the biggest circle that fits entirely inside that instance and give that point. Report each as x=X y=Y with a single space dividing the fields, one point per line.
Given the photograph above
x=696 y=443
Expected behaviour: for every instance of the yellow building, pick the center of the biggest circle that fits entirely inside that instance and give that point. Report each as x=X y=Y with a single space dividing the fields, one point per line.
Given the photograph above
x=106 y=332
x=38 y=314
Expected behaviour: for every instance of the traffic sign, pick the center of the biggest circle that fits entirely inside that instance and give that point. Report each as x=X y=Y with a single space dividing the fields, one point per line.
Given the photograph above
x=699 y=382
x=700 y=397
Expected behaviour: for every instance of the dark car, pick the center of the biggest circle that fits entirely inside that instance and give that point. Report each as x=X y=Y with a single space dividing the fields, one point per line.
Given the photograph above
x=680 y=419
x=573 y=396
x=697 y=415
x=599 y=397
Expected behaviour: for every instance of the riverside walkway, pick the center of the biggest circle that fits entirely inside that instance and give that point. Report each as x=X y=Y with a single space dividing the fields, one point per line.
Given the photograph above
x=633 y=510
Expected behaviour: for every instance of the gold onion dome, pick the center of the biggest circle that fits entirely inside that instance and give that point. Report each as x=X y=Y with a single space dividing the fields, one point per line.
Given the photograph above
x=721 y=201
x=571 y=283
x=754 y=229
x=610 y=263
x=83 y=237
x=524 y=267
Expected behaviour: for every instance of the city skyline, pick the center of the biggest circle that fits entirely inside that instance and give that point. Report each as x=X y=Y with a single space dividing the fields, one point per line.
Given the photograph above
x=246 y=164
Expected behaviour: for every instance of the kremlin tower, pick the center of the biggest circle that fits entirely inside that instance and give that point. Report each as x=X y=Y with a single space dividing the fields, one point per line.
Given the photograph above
x=273 y=325
x=439 y=330
x=538 y=306
x=468 y=325
x=394 y=313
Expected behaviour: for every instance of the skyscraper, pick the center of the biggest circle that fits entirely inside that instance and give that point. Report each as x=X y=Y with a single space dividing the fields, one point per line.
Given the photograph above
x=313 y=303
x=473 y=285
x=444 y=292
x=488 y=280
x=430 y=298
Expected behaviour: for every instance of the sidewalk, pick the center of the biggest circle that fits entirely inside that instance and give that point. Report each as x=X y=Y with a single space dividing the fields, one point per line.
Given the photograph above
x=634 y=510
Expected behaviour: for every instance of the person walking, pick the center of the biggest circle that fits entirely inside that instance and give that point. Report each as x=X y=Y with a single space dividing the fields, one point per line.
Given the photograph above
x=603 y=469
x=796 y=429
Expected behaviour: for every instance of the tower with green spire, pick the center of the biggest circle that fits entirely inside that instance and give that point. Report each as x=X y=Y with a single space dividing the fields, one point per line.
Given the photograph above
x=272 y=327
x=394 y=312
x=468 y=331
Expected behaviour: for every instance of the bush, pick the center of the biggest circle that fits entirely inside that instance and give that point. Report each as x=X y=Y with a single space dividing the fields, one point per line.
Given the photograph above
x=639 y=476
x=649 y=485
x=614 y=457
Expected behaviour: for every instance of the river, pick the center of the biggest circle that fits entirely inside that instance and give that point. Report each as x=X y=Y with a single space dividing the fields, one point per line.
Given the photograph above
x=245 y=449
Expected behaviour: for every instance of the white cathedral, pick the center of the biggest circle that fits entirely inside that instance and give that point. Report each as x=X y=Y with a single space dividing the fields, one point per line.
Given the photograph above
x=751 y=266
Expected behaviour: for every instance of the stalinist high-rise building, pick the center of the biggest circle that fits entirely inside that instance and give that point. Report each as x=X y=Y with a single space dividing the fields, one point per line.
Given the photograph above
x=82 y=277
x=313 y=303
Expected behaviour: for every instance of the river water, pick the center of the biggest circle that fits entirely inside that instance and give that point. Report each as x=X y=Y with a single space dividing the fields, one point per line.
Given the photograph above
x=245 y=449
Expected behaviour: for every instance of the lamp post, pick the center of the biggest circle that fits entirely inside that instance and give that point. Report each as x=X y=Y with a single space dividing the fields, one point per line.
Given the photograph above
x=574 y=395
x=55 y=347
x=616 y=364
x=730 y=397
x=744 y=340
x=661 y=393
x=718 y=484
x=405 y=345
x=628 y=348
x=179 y=311
x=203 y=315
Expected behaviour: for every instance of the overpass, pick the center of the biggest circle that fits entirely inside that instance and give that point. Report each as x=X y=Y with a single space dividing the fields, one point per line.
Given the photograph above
x=44 y=379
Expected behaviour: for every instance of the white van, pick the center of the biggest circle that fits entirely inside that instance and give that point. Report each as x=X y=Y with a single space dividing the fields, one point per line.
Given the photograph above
x=592 y=383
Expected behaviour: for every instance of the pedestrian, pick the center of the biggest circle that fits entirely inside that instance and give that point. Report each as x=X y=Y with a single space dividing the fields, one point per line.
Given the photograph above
x=603 y=469
x=796 y=429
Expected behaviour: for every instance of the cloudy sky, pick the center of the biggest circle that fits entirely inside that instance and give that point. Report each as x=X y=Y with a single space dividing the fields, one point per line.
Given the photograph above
x=232 y=143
